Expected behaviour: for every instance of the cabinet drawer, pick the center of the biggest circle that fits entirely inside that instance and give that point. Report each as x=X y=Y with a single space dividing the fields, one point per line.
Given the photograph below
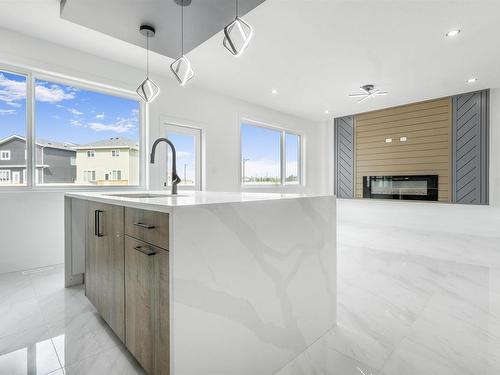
x=148 y=226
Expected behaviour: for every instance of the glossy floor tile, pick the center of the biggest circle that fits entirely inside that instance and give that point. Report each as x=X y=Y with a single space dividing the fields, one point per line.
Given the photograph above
x=401 y=311
x=48 y=329
x=405 y=308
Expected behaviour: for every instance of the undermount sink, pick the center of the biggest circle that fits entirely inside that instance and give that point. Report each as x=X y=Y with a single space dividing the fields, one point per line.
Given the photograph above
x=144 y=195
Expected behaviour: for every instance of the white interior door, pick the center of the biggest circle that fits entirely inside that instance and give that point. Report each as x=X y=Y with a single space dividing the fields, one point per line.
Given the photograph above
x=187 y=142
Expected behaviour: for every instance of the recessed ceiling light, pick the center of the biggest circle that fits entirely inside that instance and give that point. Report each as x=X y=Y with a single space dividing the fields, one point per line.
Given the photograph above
x=274 y=91
x=327 y=111
x=453 y=32
x=472 y=80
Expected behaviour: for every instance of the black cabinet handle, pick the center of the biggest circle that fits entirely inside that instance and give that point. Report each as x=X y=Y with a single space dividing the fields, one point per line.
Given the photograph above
x=97 y=223
x=145 y=226
x=145 y=250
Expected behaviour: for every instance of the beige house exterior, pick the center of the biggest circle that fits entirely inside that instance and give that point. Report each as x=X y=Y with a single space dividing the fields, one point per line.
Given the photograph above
x=114 y=161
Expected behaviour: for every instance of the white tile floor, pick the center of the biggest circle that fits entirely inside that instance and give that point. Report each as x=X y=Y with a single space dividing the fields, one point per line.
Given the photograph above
x=401 y=312
x=47 y=329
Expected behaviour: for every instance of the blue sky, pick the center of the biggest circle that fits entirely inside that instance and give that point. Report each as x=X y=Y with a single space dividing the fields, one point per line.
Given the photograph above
x=66 y=114
x=185 y=149
x=262 y=146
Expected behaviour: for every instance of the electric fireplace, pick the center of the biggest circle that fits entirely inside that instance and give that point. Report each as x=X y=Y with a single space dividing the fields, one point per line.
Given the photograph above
x=401 y=187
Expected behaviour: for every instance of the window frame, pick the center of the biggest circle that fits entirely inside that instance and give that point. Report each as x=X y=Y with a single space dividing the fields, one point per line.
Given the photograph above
x=115 y=153
x=6 y=152
x=283 y=131
x=33 y=74
x=185 y=127
x=8 y=172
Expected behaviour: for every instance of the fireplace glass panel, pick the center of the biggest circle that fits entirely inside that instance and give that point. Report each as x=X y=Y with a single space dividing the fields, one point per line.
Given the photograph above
x=401 y=187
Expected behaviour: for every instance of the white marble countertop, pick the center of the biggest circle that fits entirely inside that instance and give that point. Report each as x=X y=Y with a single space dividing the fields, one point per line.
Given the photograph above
x=165 y=202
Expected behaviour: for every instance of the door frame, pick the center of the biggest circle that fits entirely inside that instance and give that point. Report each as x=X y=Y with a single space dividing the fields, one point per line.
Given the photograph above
x=174 y=127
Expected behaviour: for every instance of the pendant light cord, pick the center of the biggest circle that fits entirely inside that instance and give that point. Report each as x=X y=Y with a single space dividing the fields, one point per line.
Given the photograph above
x=182 y=28
x=237 y=13
x=147 y=55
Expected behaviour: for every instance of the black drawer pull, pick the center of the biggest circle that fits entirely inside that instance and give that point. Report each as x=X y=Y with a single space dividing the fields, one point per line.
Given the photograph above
x=97 y=223
x=145 y=250
x=145 y=226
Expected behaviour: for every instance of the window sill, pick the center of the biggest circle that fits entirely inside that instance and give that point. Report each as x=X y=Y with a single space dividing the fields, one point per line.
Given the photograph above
x=62 y=189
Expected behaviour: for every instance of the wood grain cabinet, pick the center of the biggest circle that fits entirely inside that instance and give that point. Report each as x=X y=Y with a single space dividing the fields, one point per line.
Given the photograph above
x=105 y=263
x=147 y=305
x=127 y=279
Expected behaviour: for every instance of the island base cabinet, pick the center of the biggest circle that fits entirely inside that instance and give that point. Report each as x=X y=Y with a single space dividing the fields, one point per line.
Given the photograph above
x=104 y=263
x=147 y=305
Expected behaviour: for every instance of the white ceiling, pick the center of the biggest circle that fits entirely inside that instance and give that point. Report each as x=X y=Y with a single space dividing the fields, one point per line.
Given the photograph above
x=316 y=52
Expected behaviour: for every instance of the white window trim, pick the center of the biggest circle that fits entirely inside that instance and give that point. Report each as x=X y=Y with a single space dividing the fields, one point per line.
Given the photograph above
x=9 y=175
x=115 y=153
x=91 y=153
x=283 y=131
x=32 y=74
x=7 y=152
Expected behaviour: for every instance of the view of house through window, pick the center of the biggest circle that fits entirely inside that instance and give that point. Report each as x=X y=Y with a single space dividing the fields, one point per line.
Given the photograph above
x=13 y=128
x=85 y=137
x=266 y=152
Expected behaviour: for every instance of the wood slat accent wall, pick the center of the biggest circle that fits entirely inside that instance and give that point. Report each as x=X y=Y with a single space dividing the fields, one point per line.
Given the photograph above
x=427 y=126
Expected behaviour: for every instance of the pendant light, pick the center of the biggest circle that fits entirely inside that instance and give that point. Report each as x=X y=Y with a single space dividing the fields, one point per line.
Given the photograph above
x=147 y=90
x=237 y=35
x=182 y=66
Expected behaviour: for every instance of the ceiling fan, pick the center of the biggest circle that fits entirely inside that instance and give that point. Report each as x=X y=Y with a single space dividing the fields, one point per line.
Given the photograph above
x=369 y=91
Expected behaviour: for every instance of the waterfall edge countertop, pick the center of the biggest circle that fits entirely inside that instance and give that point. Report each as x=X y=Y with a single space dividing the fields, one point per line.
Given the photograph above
x=163 y=202
x=250 y=277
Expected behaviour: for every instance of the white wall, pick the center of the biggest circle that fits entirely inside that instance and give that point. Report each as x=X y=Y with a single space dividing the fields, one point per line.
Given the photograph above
x=31 y=224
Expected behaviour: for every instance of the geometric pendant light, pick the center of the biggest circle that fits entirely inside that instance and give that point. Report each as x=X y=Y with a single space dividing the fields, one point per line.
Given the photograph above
x=147 y=90
x=237 y=35
x=182 y=66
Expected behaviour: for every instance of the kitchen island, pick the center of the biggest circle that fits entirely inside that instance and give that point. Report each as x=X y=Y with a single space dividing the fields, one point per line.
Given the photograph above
x=206 y=282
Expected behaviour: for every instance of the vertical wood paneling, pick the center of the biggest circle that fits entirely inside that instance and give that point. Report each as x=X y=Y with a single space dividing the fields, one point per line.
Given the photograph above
x=427 y=127
x=470 y=148
x=344 y=157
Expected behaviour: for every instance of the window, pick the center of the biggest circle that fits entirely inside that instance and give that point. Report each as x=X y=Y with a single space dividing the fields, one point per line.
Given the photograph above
x=88 y=176
x=73 y=122
x=269 y=156
x=13 y=126
x=4 y=176
x=117 y=175
x=5 y=155
x=187 y=143
x=76 y=128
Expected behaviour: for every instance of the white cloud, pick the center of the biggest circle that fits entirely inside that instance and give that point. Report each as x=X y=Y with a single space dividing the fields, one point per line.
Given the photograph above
x=7 y=112
x=135 y=113
x=76 y=123
x=75 y=112
x=100 y=115
x=262 y=168
x=120 y=126
x=183 y=155
x=12 y=91
x=52 y=94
